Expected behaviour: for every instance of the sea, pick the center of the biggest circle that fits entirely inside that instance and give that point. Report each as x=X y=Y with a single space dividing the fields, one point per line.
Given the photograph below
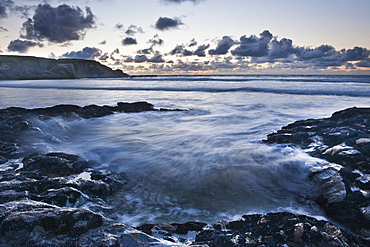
x=206 y=163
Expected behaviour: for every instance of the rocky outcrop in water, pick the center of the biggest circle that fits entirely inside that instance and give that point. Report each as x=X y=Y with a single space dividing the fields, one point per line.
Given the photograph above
x=43 y=198
x=344 y=140
x=32 y=68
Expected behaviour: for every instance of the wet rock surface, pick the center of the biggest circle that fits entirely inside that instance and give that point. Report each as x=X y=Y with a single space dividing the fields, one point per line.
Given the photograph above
x=44 y=199
x=273 y=229
x=344 y=140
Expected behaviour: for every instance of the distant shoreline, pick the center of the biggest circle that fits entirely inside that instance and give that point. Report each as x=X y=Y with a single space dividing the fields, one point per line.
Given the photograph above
x=36 y=68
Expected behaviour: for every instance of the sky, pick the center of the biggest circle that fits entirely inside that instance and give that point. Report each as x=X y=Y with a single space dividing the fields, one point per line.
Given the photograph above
x=194 y=36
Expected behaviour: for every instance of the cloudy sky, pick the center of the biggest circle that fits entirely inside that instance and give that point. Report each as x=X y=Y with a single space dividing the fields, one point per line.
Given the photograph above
x=194 y=36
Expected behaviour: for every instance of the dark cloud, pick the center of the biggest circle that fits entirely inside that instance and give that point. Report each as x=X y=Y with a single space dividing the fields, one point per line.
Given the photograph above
x=364 y=63
x=22 y=46
x=201 y=50
x=182 y=1
x=268 y=49
x=86 y=53
x=223 y=46
x=180 y=50
x=315 y=53
x=107 y=56
x=140 y=58
x=130 y=31
x=23 y=10
x=192 y=42
x=146 y=51
x=321 y=57
x=325 y=56
x=253 y=46
x=177 y=50
x=104 y=57
x=119 y=27
x=166 y=23
x=187 y=53
x=157 y=58
x=156 y=41
x=60 y=24
x=281 y=49
x=357 y=53
x=4 y=6
x=133 y=30
x=129 y=41
x=7 y=6
x=128 y=59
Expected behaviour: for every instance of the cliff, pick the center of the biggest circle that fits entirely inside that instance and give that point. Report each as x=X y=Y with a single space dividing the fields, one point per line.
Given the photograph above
x=33 y=68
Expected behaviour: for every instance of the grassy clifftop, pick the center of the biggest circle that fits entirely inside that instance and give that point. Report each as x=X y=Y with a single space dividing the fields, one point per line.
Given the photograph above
x=29 y=68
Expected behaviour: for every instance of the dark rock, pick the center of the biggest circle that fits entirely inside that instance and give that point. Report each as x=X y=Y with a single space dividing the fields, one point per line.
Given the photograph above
x=12 y=195
x=273 y=229
x=57 y=220
x=31 y=223
x=3 y=160
x=172 y=228
x=363 y=182
x=113 y=180
x=278 y=229
x=62 y=197
x=55 y=164
x=6 y=151
x=344 y=139
x=134 y=107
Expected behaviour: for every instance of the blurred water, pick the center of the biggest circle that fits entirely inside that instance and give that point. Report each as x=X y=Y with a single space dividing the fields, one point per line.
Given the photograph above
x=207 y=163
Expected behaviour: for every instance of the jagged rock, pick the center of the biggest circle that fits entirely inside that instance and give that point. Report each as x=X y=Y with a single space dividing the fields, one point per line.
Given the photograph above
x=55 y=164
x=113 y=180
x=38 y=180
x=278 y=229
x=62 y=197
x=344 y=139
x=331 y=185
x=57 y=220
x=31 y=223
x=273 y=229
x=172 y=228
x=6 y=150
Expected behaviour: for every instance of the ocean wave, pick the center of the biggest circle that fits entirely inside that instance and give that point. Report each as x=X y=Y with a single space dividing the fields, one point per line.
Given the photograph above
x=334 y=91
x=328 y=79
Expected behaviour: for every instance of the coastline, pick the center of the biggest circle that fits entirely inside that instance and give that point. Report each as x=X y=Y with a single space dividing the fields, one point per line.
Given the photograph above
x=43 y=191
x=37 y=68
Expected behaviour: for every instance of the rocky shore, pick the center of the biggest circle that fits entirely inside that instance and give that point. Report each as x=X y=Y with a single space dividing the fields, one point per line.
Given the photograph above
x=44 y=196
x=344 y=141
